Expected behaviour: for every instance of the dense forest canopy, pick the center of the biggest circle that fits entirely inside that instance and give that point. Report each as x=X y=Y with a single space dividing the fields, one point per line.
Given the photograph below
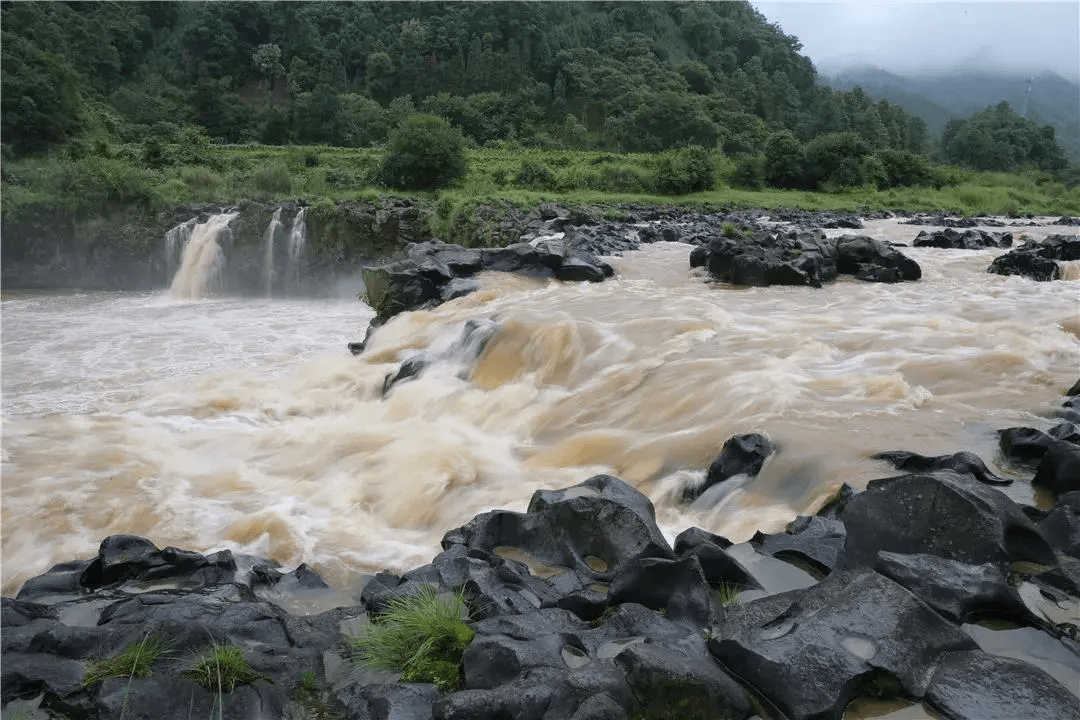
x=604 y=75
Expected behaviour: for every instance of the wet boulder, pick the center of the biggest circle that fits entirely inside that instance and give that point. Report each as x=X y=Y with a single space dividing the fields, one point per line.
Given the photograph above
x=431 y=272
x=720 y=569
x=592 y=528
x=1061 y=526
x=959 y=591
x=871 y=259
x=740 y=455
x=1028 y=445
x=795 y=258
x=974 y=685
x=967 y=240
x=941 y=513
x=814 y=543
x=677 y=588
x=123 y=558
x=550 y=664
x=1036 y=259
x=810 y=652
x=964 y=463
x=1059 y=470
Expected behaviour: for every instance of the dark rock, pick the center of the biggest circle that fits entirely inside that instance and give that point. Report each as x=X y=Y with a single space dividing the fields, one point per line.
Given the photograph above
x=590 y=528
x=389 y=701
x=432 y=272
x=860 y=254
x=974 y=685
x=720 y=569
x=1065 y=577
x=764 y=259
x=969 y=240
x=740 y=455
x=1061 y=527
x=409 y=369
x=1059 y=470
x=675 y=587
x=944 y=514
x=808 y=653
x=835 y=505
x=1028 y=445
x=1037 y=260
x=811 y=542
x=1074 y=390
x=959 y=591
x=1067 y=220
x=964 y=463
x=669 y=684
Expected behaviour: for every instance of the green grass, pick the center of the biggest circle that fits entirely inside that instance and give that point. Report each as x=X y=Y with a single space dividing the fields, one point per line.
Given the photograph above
x=92 y=184
x=422 y=637
x=134 y=661
x=221 y=668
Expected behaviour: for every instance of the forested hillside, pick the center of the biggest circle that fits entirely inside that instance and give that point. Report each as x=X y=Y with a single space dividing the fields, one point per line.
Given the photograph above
x=632 y=76
x=1046 y=99
x=110 y=104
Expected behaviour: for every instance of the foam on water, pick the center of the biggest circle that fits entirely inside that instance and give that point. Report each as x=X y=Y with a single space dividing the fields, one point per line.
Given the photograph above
x=246 y=424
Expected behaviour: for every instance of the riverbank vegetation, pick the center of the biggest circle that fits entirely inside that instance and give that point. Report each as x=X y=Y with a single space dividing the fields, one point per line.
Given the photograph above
x=149 y=105
x=120 y=178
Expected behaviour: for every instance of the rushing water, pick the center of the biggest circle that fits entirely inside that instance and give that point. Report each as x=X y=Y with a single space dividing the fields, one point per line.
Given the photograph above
x=246 y=423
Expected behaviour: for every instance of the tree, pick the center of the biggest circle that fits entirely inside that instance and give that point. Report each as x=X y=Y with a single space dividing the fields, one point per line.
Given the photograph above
x=999 y=139
x=785 y=163
x=424 y=153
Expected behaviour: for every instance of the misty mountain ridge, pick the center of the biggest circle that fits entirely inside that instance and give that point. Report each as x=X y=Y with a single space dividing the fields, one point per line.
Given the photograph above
x=937 y=96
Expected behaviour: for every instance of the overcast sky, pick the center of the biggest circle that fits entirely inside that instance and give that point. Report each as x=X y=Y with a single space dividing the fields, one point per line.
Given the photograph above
x=907 y=36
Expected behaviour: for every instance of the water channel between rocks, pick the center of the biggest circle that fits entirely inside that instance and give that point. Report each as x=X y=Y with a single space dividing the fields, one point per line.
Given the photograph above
x=246 y=424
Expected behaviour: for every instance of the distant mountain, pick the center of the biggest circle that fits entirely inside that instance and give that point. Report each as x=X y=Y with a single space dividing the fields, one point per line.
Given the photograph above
x=1053 y=100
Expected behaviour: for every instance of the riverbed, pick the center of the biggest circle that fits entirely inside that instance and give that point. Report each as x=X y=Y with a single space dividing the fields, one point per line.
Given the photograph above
x=246 y=423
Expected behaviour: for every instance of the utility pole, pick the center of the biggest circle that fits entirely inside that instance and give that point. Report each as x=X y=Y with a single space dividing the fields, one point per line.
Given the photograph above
x=1023 y=110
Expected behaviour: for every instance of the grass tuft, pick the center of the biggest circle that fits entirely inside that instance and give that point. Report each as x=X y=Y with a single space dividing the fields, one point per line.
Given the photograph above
x=221 y=668
x=422 y=637
x=134 y=661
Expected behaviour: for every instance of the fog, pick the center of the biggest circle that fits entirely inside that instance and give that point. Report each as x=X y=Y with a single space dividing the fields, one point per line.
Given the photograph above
x=916 y=37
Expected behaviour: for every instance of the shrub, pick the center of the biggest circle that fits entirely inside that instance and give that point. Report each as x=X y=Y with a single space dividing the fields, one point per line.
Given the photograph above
x=685 y=170
x=836 y=159
x=424 y=153
x=749 y=173
x=535 y=176
x=202 y=183
x=623 y=179
x=422 y=637
x=272 y=179
x=905 y=168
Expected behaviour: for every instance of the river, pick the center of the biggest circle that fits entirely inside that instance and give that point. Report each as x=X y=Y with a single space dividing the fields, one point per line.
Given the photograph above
x=246 y=424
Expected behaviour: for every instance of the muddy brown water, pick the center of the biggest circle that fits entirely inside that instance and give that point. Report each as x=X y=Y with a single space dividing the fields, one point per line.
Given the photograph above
x=245 y=424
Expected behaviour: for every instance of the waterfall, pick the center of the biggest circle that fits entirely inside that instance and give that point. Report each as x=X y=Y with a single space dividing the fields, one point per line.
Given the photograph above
x=203 y=260
x=175 y=241
x=268 y=259
x=1068 y=269
x=297 y=240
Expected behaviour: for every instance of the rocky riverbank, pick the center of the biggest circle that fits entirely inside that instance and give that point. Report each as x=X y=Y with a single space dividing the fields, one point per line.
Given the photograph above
x=48 y=247
x=931 y=586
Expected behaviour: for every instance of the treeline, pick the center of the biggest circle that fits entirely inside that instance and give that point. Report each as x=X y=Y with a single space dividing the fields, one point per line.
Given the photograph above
x=606 y=76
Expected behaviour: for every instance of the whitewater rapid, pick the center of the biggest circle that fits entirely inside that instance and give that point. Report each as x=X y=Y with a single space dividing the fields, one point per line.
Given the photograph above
x=246 y=424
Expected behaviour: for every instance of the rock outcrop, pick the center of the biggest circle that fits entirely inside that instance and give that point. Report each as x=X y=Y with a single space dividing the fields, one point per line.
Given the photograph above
x=1036 y=259
x=799 y=257
x=967 y=240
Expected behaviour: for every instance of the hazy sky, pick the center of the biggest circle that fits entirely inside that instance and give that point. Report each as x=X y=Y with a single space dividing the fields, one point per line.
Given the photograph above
x=911 y=35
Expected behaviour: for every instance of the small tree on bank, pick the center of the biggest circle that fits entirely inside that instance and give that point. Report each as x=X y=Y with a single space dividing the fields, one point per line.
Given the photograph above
x=424 y=153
